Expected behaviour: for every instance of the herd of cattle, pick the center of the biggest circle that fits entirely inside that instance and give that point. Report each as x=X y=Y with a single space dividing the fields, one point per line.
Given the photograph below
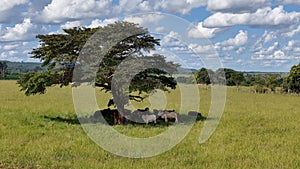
x=113 y=117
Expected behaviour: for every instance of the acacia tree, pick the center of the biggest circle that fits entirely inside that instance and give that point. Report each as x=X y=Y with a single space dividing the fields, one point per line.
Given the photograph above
x=60 y=53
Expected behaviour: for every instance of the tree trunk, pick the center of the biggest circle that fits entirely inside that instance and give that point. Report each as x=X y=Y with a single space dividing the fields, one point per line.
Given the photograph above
x=119 y=118
x=122 y=115
x=3 y=73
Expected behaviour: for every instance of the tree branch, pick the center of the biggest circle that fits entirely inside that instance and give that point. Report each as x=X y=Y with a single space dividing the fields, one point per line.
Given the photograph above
x=136 y=98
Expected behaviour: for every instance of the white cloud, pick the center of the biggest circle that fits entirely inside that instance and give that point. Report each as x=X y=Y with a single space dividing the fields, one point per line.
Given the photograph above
x=261 y=14
x=239 y=61
x=9 y=4
x=227 y=48
x=145 y=20
x=202 y=49
x=273 y=47
x=240 y=50
x=268 y=36
x=289 y=52
x=236 y=5
x=10 y=46
x=264 y=39
x=171 y=39
x=265 y=17
x=16 y=57
x=239 y=40
x=129 y=6
x=10 y=10
x=7 y=55
x=59 y=11
x=17 y=51
x=173 y=43
x=262 y=51
x=100 y=23
x=20 y=32
x=145 y=6
x=68 y=25
x=202 y=32
x=179 y=6
x=236 y=44
x=292 y=47
x=133 y=6
x=12 y=53
x=297 y=2
x=276 y=55
x=160 y=29
x=279 y=55
x=37 y=5
x=292 y=32
x=227 y=58
x=274 y=63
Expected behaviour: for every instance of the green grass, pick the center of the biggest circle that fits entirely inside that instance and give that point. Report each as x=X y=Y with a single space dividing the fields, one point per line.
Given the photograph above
x=256 y=131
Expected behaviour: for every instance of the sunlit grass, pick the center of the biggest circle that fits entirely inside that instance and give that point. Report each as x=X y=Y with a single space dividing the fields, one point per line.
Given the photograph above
x=256 y=131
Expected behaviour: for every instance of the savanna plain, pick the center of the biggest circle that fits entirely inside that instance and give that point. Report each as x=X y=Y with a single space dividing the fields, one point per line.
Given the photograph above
x=256 y=131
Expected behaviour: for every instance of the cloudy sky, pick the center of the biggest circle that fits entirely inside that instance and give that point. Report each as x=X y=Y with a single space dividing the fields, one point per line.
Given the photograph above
x=258 y=35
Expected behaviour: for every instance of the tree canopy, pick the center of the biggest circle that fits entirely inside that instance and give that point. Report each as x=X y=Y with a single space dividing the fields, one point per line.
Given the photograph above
x=292 y=82
x=59 y=54
x=202 y=76
x=233 y=78
x=207 y=76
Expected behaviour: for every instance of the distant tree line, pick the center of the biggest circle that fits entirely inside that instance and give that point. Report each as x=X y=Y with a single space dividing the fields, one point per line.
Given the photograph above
x=260 y=82
x=13 y=70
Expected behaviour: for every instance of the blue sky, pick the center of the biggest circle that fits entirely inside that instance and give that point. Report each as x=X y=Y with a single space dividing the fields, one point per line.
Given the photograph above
x=256 y=35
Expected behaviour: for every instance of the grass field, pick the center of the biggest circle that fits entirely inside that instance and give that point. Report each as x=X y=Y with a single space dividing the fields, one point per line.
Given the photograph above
x=256 y=131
